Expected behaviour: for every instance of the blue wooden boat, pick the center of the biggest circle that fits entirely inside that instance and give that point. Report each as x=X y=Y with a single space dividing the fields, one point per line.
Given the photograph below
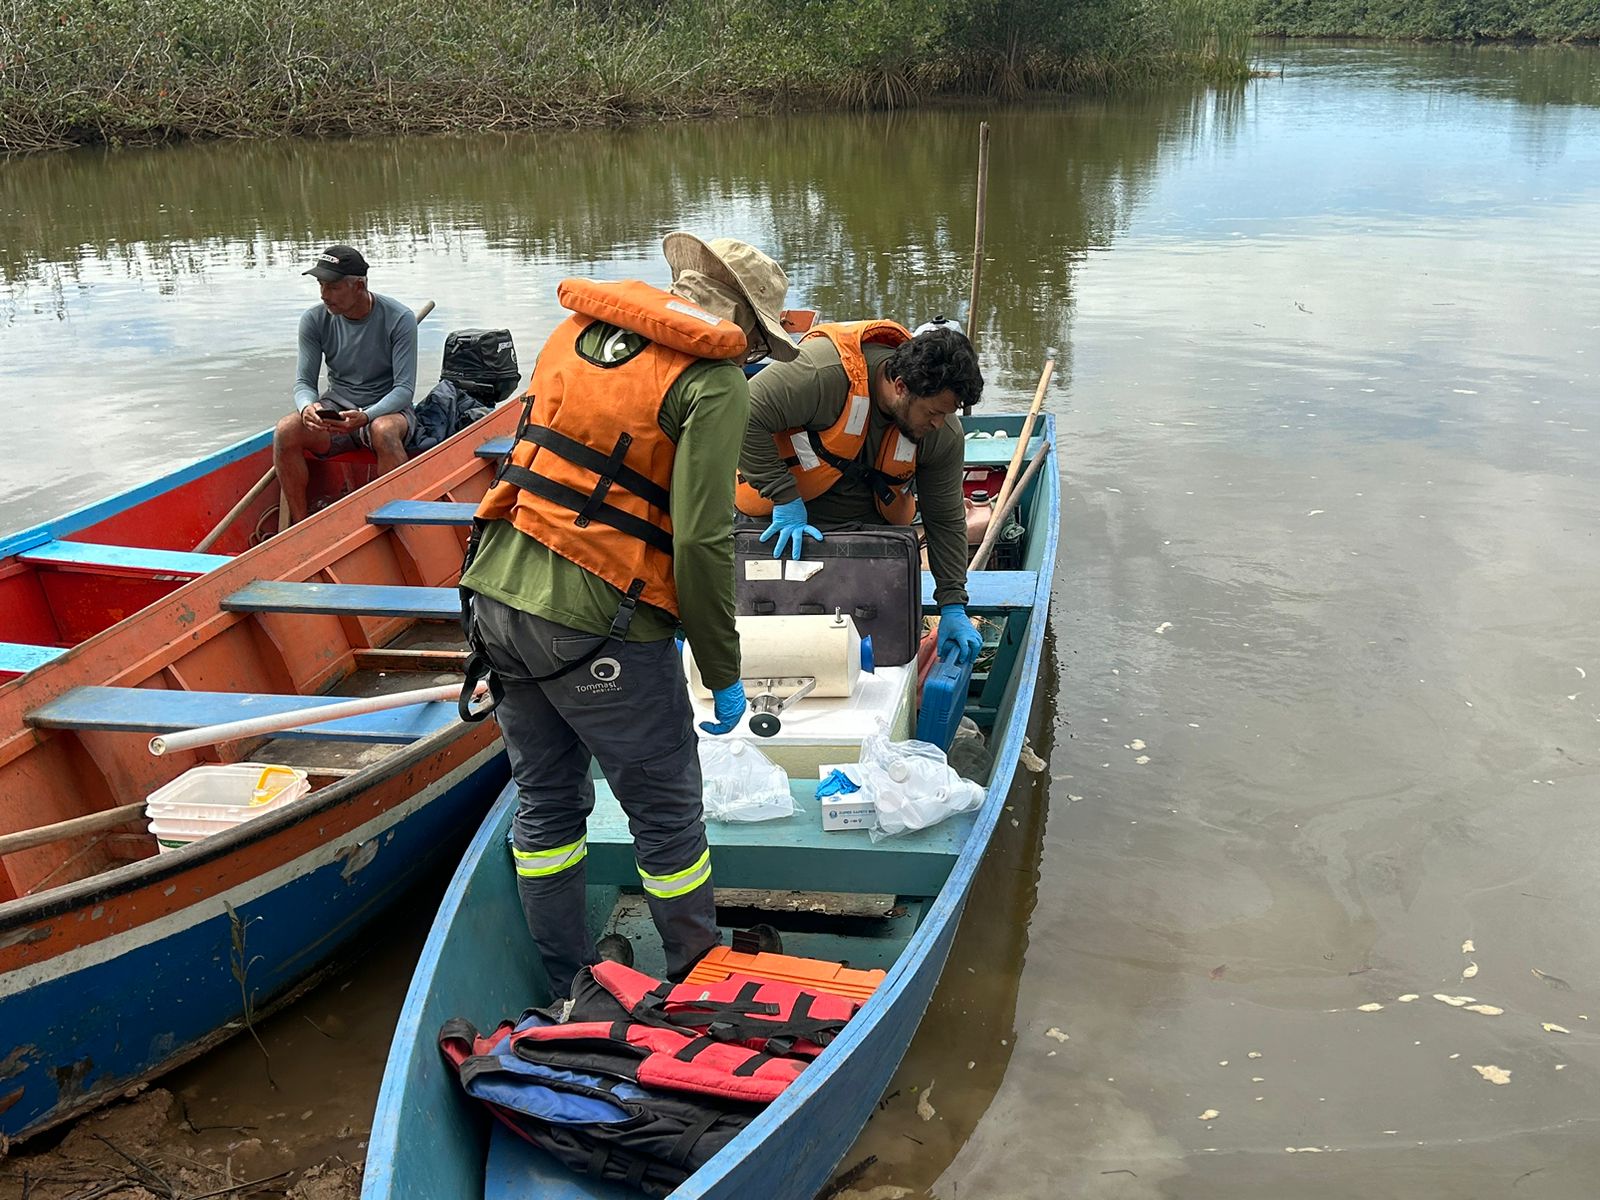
x=118 y=960
x=429 y=1141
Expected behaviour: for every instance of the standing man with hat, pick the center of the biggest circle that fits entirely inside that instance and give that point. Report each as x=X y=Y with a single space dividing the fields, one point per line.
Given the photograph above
x=369 y=342
x=609 y=527
x=862 y=429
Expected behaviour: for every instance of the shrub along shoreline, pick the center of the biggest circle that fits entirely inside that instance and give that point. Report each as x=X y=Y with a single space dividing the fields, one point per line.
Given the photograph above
x=80 y=72
x=1431 y=20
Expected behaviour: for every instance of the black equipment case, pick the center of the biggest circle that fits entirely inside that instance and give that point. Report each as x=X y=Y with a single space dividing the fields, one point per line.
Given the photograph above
x=482 y=363
x=873 y=575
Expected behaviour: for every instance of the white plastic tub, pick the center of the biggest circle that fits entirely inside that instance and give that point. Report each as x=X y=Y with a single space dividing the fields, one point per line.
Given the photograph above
x=209 y=799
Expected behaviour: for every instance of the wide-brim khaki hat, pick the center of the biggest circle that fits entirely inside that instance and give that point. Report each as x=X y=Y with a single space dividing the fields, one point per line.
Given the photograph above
x=749 y=272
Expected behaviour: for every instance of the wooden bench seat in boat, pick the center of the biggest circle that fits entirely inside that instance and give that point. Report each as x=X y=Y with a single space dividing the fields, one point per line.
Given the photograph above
x=157 y=710
x=422 y=512
x=987 y=590
x=792 y=853
x=21 y=657
x=58 y=553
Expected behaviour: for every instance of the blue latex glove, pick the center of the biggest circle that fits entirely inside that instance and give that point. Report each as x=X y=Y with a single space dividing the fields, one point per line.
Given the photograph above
x=729 y=702
x=957 y=637
x=789 y=522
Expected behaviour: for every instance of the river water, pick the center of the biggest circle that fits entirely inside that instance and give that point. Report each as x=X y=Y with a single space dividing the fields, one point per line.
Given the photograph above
x=1323 y=731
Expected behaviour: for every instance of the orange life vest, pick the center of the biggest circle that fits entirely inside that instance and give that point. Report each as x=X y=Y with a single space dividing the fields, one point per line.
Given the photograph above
x=818 y=459
x=590 y=470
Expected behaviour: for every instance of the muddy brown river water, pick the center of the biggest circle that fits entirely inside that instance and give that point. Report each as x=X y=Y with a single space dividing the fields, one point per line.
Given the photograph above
x=1324 y=705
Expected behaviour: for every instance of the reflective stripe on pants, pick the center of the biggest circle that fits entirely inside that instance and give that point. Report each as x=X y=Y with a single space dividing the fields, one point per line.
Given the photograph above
x=680 y=883
x=536 y=864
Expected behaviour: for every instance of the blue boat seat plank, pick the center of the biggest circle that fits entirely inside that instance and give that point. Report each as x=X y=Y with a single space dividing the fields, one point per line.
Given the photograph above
x=347 y=599
x=997 y=452
x=139 y=558
x=422 y=512
x=22 y=657
x=152 y=710
x=792 y=853
x=991 y=589
x=495 y=448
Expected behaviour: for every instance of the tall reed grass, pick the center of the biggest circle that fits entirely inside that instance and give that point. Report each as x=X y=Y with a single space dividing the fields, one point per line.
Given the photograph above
x=119 y=71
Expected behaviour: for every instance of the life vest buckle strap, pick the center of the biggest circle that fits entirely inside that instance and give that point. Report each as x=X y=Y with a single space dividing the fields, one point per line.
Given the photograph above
x=609 y=467
x=650 y=534
x=625 y=610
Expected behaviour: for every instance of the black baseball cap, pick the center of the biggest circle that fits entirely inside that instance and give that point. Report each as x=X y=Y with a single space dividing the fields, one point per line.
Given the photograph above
x=338 y=262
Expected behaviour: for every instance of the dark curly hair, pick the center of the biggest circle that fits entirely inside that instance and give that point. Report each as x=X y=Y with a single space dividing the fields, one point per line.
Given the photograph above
x=933 y=361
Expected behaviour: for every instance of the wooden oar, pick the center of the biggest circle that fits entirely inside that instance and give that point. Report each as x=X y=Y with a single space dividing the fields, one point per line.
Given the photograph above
x=44 y=835
x=261 y=484
x=1003 y=510
x=1007 y=485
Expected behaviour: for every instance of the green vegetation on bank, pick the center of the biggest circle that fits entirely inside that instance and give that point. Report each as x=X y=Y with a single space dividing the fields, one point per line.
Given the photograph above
x=117 y=71
x=1436 y=20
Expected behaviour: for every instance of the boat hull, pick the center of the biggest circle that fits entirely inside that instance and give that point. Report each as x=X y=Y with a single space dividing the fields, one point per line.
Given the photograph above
x=189 y=953
x=479 y=963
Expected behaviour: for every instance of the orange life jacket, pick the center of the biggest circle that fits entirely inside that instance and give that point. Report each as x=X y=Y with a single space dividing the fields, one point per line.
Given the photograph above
x=818 y=459
x=590 y=470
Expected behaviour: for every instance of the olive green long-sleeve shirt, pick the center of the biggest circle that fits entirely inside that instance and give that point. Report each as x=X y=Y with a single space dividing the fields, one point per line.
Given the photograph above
x=704 y=413
x=810 y=393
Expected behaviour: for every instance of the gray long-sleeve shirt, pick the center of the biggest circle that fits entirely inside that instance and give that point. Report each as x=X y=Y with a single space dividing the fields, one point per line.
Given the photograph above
x=372 y=363
x=810 y=393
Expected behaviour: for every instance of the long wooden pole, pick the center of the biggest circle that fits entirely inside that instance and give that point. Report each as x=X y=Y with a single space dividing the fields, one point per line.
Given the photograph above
x=977 y=240
x=1008 y=485
x=261 y=484
x=233 y=513
x=1003 y=509
x=44 y=835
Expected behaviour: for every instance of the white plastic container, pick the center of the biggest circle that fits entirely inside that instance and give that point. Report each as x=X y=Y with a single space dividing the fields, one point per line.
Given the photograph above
x=209 y=799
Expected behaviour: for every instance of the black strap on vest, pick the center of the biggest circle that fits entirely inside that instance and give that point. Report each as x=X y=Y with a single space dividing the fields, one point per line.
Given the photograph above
x=608 y=467
x=881 y=484
x=477 y=669
x=590 y=508
x=684 y=1146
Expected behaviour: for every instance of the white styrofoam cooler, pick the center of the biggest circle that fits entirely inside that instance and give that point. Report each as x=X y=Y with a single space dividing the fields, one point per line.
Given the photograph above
x=828 y=729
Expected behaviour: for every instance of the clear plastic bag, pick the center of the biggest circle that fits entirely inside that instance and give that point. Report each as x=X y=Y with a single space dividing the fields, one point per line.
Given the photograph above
x=741 y=783
x=911 y=786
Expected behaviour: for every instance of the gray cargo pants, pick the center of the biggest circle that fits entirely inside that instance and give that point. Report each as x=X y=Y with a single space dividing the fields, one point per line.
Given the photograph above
x=628 y=708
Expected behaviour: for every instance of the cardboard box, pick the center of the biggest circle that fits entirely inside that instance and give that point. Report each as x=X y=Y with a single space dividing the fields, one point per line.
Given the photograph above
x=852 y=811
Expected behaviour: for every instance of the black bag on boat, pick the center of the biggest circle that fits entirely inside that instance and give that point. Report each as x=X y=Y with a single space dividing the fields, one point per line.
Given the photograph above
x=873 y=574
x=482 y=362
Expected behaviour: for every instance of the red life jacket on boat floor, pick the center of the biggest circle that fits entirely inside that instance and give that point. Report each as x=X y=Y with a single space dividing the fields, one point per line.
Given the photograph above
x=780 y=1018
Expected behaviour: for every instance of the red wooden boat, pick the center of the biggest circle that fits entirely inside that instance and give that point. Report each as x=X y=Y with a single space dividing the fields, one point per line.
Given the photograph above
x=116 y=962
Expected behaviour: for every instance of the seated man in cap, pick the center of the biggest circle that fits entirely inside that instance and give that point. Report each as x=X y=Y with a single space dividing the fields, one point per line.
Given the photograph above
x=370 y=345
x=860 y=429
x=609 y=527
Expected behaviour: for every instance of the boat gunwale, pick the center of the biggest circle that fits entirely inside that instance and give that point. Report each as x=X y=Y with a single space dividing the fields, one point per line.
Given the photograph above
x=80 y=518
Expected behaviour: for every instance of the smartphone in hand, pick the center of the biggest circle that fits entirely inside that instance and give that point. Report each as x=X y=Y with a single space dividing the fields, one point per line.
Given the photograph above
x=331 y=414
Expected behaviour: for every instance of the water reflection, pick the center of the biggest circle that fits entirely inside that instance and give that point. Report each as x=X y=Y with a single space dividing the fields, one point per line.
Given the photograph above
x=1329 y=439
